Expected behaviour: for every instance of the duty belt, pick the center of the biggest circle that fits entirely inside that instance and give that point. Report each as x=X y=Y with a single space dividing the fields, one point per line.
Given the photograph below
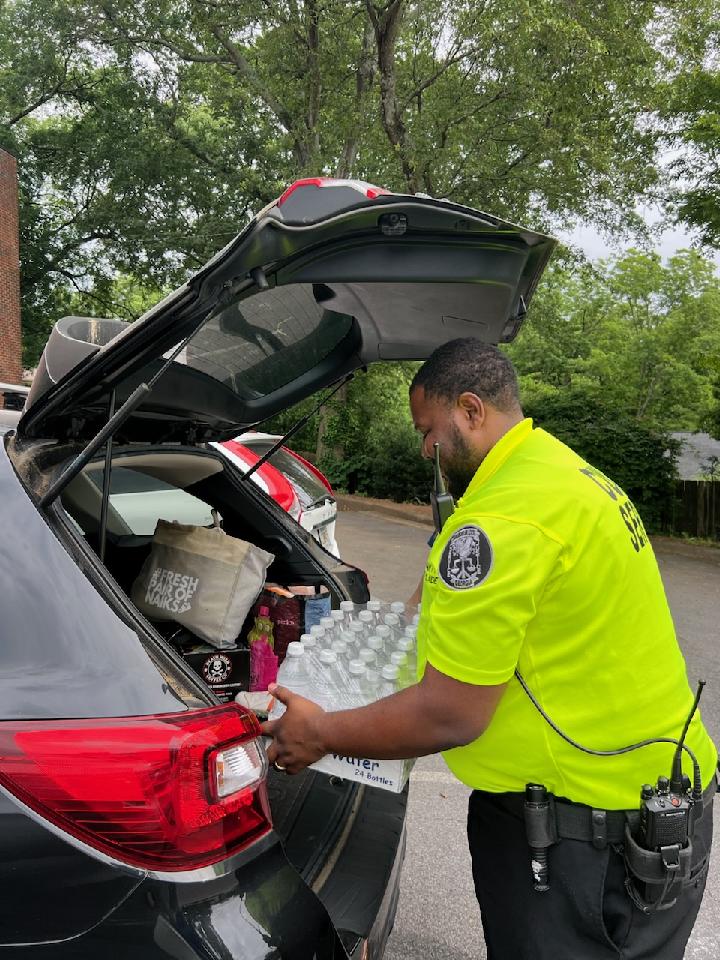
x=601 y=827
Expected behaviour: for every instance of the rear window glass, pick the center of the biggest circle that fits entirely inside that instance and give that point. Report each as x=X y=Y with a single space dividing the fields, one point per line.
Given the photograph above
x=261 y=343
x=142 y=500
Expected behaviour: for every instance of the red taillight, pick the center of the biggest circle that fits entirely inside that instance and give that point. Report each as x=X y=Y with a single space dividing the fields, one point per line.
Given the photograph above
x=169 y=792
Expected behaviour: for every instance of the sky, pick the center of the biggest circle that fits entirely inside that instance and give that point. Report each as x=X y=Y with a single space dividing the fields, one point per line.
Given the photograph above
x=666 y=243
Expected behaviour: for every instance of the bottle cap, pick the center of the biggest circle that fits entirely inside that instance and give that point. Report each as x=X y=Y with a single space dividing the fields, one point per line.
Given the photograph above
x=372 y=675
x=374 y=605
x=356 y=627
x=365 y=616
x=339 y=646
x=327 y=622
x=309 y=641
x=356 y=667
x=405 y=644
x=328 y=656
x=295 y=649
x=390 y=672
x=367 y=656
x=397 y=607
x=337 y=615
x=382 y=630
x=398 y=658
x=347 y=605
x=392 y=619
x=375 y=643
x=264 y=611
x=411 y=631
x=317 y=631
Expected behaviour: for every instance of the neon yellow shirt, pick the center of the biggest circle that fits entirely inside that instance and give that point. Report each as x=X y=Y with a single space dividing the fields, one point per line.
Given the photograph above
x=545 y=566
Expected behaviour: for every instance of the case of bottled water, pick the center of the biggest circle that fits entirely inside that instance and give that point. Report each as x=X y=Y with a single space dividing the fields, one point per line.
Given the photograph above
x=355 y=656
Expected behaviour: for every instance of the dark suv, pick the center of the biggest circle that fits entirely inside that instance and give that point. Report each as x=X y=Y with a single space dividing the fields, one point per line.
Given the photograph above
x=137 y=814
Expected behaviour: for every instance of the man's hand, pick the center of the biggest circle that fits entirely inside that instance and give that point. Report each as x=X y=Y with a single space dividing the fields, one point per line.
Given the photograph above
x=296 y=734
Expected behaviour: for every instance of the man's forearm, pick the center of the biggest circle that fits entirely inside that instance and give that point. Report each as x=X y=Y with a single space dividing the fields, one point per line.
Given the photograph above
x=392 y=728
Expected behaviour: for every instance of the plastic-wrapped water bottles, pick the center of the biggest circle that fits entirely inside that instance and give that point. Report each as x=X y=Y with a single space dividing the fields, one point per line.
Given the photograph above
x=367 y=619
x=353 y=656
x=357 y=684
x=375 y=607
x=398 y=608
x=348 y=609
x=392 y=620
x=388 y=681
x=331 y=686
x=341 y=649
x=293 y=674
x=376 y=644
x=368 y=657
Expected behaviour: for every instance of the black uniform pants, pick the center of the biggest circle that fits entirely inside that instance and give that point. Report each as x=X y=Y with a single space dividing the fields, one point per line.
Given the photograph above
x=586 y=914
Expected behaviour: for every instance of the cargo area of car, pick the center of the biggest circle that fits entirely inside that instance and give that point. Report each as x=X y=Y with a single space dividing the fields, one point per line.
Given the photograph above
x=346 y=840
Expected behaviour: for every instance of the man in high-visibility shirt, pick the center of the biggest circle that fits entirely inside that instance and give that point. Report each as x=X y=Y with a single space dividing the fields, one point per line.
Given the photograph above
x=544 y=570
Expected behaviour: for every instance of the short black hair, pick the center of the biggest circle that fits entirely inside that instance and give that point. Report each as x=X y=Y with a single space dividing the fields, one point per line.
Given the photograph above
x=469 y=365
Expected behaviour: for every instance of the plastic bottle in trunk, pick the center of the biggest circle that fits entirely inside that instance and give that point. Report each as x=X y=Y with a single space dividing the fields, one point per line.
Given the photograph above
x=367 y=619
x=392 y=620
x=262 y=627
x=294 y=675
x=400 y=660
x=389 y=680
x=368 y=657
x=376 y=644
x=357 y=684
x=372 y=684
x=332 y=683
x=263 y=664
x=398 y=607
x=375 y=607
x=348 y=609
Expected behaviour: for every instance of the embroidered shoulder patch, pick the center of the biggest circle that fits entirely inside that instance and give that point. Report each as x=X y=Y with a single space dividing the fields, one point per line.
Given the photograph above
x=467 y=559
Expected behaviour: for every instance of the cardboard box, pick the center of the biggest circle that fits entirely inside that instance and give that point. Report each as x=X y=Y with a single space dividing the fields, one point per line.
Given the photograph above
x=226 y=672
x=389 y=775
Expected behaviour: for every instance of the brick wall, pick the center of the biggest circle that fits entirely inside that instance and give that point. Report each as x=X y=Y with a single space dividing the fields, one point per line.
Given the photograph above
x=10 y=343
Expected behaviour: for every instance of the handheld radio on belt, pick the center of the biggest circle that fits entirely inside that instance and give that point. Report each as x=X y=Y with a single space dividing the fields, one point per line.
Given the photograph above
x=658 y=851
x=441 y=501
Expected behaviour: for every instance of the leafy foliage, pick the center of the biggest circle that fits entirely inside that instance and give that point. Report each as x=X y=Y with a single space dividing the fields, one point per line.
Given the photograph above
x=147 y=133
x=637 y=457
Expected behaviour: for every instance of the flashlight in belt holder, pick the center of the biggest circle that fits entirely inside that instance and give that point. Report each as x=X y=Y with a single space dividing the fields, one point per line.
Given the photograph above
x=541 y=832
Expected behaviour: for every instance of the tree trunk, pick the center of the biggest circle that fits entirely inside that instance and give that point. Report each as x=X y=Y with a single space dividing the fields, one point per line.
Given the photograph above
x=322 y=448
x=386 y=24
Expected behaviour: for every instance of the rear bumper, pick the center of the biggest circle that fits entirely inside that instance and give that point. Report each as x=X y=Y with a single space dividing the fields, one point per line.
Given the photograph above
x=262 y=911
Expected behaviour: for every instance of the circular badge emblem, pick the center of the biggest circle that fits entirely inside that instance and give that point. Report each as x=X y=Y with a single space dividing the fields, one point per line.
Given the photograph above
x=467 y=559
x=217 y=668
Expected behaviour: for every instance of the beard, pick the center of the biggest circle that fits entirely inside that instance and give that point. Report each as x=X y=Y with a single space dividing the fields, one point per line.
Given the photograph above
x=459 y=464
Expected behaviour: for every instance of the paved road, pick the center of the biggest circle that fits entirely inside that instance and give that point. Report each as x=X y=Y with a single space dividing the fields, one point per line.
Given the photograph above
x=438 y=917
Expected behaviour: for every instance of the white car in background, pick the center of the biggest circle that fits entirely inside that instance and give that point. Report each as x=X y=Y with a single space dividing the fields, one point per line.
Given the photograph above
x=291 y=480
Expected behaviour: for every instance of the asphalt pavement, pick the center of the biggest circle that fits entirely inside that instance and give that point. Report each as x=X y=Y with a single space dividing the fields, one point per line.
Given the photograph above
x=438 y=916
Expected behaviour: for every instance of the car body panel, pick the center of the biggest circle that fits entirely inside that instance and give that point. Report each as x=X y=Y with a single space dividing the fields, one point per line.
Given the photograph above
x=291 y=481
x=348 y=292
x=71 y=652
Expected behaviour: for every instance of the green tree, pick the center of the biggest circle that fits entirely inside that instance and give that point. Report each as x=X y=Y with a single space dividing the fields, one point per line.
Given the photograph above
x=637 y=457
x=634 y=333
x=147 y=133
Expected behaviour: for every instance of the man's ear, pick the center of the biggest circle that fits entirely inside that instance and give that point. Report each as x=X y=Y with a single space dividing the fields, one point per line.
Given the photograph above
x=472 y=409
